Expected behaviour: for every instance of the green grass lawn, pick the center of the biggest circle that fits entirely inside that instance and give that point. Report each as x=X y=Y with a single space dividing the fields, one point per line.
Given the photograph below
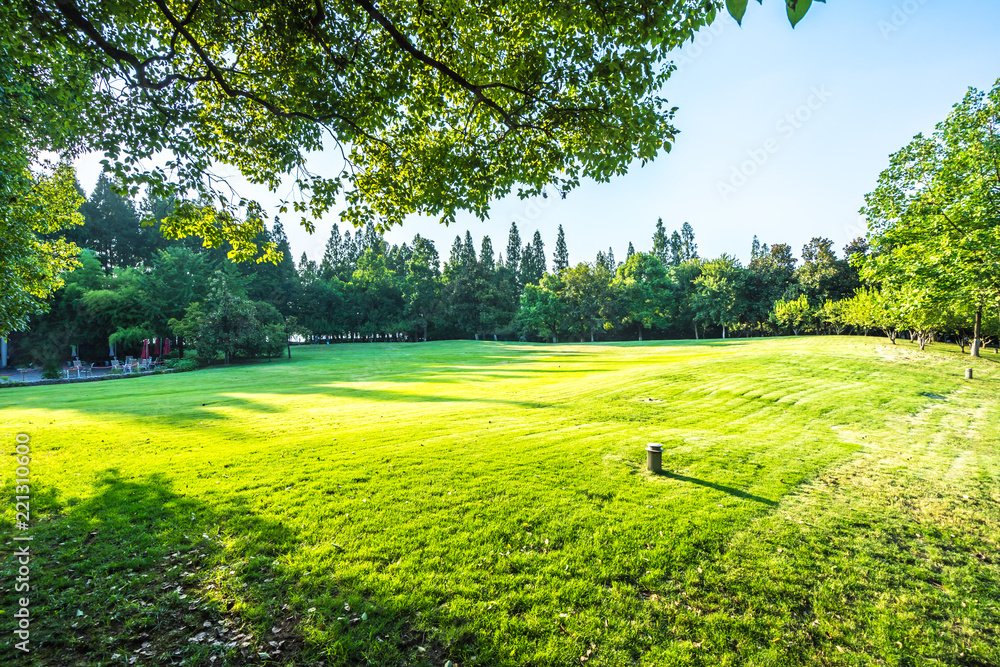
x=824 y=501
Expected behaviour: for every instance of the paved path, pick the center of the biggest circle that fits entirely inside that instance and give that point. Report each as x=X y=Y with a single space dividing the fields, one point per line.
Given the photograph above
x=34 y=376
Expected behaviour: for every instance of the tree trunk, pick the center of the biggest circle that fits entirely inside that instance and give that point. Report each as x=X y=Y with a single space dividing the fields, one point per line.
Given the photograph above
x=591 y=336
x=977 y=332
x=696 y=330
x=640 y=332
x=425 y=332
x=289 y=344
x=723 y=332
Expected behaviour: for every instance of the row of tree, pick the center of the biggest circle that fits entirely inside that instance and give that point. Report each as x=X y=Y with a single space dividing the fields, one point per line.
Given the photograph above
x=135 y=284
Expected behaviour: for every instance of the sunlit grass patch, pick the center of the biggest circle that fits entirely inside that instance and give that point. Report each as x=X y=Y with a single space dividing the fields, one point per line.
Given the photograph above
x=488 y=504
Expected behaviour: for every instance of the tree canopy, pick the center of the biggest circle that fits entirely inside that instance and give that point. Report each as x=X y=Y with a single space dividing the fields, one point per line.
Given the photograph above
x=504 y=94
x=935 y=214
x=435 y=107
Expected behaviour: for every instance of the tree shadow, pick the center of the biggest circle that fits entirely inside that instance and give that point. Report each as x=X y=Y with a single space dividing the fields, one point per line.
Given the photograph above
x=736 y=493
x=139 y=570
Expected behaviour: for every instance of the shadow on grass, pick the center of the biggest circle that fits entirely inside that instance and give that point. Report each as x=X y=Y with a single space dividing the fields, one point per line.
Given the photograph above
x=736 y=493
x=139 y=570
x=196 y=397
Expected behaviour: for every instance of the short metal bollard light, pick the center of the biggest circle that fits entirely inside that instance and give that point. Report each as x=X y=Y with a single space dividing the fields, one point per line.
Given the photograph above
x=968 y=373
x=654 y=457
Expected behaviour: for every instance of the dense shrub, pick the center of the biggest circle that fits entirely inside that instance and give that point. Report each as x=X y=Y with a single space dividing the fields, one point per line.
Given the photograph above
x=181 y=364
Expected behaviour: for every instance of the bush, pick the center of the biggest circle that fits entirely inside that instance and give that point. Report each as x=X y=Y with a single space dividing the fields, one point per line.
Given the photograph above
x=51 y=372
x=182 y=364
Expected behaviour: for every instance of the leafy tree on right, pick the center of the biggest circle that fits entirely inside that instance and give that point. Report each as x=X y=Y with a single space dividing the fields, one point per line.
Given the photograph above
x=935 y=214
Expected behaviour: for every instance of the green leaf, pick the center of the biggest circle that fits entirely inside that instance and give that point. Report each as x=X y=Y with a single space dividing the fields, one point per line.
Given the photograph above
x=797 y=9
x=736 y=9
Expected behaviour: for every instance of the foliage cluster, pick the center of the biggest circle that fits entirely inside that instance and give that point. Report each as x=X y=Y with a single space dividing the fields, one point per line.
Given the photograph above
x=935 y=223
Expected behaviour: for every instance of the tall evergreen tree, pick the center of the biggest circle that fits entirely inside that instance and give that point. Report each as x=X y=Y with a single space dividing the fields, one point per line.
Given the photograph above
x=560 y=260
x=612 y=264
x=333 y=255
x=274 y=283
x=392 y=259
x=351 y=254
x=372 y=240
x=112 y=229
x=468 y=253
x=676 y=249
x=514 y=251
x=538 y=250
x=486 y=260
x=689 y=247
x=631 y=251
x=422 y=288
x=490 y=292
x=308 y=270
x=461 y=307
x=602 y=260
x=280 y=239
x=661 y=246
x=455 y=258
x=526 y=269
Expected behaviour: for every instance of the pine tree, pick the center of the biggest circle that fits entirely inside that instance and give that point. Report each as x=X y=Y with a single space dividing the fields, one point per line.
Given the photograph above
x=526 y=267
x=560 y=261
x=112 y=228
x=538 y=250
x=631 y=251
x=373 y=240
x=455 y=259
x=690 y=248
x=676 y=249
x=661 y=246
x=421 y=292
x=275 y=283
x=468 y=253
x=602 y=260
x=489 y=297
x=460 y=287
x=281 y=241
x=403 y=257
x=308 y=270
x=486 y=261
x=514 y=251
x=351 y=253
x=333 y=254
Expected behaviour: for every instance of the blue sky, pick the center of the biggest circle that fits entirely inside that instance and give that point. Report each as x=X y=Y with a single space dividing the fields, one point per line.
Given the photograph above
x=782 y=132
